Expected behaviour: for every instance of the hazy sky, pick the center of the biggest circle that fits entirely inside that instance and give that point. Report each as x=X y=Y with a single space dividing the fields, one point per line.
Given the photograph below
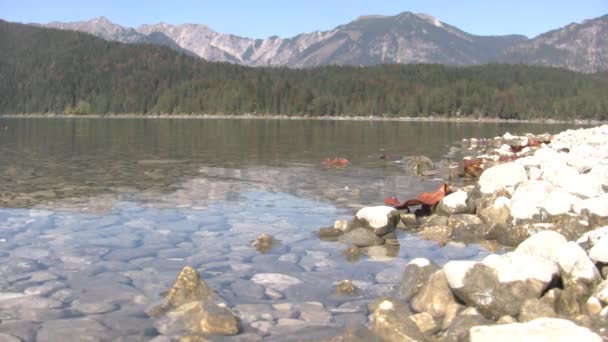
x=285 y=18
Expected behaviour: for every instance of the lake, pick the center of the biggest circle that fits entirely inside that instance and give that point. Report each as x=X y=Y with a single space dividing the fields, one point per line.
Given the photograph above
x=98 y=216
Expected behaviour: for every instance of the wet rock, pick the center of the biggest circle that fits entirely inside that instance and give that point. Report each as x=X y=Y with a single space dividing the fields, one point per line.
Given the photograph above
x=501 y=176
x=454 y=203
x=329 y=233
x=391 y=239
x=264 y=243
x=467 y=227
x=441 y=234
x=245 y=289
x=535 y=308
x=542 y=329
x=314 y=313
x=352 y=253
x=418 y=165
x=343 y=225
x=391 y=322
x=188 y=287
x=435 y=296
x=407 y=220
x=93 y=307
x=381 y=253
x=346 y=287
x=380 y=220
x=198 y=317
x=277 y=281
x=76 y=329
x=218 y=320
x=361 y=237
x=415 y=275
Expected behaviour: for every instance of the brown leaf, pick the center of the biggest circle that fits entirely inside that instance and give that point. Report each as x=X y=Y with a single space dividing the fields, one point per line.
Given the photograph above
x=336 y=162
x=427 y=198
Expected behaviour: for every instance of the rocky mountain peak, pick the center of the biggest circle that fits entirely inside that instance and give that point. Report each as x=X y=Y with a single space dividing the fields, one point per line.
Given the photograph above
x=374 y=39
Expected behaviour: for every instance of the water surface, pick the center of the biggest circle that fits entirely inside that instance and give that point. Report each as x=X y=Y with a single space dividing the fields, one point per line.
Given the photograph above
x=97 y=217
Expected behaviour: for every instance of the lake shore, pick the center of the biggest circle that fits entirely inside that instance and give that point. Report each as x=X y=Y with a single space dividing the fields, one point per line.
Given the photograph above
x=301 y=117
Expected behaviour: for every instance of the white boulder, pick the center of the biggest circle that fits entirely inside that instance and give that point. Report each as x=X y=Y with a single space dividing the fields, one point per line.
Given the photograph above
x=381 y=219
x=538 y=330
x=547 y=244
x=528 y=198
x=599 y=252
x=502 y=176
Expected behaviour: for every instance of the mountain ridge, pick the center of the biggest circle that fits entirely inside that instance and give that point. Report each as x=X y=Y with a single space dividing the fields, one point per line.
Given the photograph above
x=404 y=38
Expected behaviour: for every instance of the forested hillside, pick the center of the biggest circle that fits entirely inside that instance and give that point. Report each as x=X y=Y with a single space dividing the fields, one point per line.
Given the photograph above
x=53 y=71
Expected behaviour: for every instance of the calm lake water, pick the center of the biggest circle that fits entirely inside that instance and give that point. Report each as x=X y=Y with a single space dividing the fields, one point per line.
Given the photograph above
x=98 y=216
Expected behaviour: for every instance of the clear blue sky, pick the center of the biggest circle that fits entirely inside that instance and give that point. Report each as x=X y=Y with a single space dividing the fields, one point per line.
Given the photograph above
x=285 y=18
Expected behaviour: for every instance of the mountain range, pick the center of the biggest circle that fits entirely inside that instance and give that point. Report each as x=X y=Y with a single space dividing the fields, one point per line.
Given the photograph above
x=401 y=39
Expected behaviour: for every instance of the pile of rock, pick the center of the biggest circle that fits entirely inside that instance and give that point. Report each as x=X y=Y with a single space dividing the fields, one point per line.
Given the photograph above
x=549 y=200
x=559 y=186
x=548 y=287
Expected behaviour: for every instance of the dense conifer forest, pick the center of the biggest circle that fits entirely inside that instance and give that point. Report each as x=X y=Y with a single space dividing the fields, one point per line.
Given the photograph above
x=52 y=71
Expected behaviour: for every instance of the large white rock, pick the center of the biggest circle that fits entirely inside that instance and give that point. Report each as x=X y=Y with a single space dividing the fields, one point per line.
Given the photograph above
x=528 y=198
x=538 y=330
x=591 y=237
x=455 y=199
x=586 y=185
x=560 y=201
x=512 y=267
x=600 y=172
x=381 y=219
x=502 y=176
x=576 y=265
x=583 y=157
x=546 y=244
x=599 y=252
x=528 y=161
x=596 y=205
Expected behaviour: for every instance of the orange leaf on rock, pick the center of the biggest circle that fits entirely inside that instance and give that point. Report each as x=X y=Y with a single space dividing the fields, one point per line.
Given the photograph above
x=428 y=198
x=432 y=198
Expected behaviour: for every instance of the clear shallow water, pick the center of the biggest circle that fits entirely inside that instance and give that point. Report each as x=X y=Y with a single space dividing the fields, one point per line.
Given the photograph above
x=99 y=216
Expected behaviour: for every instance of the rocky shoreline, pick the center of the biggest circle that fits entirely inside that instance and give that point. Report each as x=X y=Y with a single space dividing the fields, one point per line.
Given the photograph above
x=543 y=199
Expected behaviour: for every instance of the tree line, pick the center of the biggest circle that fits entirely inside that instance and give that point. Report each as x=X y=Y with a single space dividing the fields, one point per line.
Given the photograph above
x=52 y=71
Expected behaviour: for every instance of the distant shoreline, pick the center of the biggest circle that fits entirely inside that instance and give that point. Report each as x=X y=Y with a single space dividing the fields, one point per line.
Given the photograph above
x=300 y=117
